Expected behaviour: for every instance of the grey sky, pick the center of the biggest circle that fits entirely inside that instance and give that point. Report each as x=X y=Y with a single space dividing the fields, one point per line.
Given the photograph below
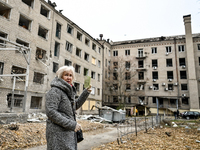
x=120 y=20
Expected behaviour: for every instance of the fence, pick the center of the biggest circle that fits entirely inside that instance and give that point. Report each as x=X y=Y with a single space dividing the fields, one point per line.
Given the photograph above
x=135 y=124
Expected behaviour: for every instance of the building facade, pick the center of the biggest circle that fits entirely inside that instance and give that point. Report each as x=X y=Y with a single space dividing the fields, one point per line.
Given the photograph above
x=53 y=41
x=146 y=74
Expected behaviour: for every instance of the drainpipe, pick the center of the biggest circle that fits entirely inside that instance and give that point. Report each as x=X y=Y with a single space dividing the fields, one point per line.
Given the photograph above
x=176 y=60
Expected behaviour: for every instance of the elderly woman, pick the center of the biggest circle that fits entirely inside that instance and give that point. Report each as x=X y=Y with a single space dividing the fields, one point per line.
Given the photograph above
x=60 y=109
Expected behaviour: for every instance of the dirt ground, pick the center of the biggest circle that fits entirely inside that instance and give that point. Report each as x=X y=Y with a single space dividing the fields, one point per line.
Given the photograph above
x=162 y=137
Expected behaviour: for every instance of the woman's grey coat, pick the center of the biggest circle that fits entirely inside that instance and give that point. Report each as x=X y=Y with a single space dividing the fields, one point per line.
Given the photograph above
x=61 y=124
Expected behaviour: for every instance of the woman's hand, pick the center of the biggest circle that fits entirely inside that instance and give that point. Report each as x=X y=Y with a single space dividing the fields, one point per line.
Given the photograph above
x=89 y=88
x=78 y=127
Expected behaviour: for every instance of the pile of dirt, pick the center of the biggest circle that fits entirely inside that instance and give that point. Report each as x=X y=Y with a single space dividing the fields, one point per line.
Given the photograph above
x=158 y=138
x=26 y=135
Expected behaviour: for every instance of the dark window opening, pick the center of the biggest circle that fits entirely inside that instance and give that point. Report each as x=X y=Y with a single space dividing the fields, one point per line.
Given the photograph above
x=140 y=64
x=28 y=2
x=170 y=75
x=24 y=22
x=115 y=86
x=56 y=49
x=79 y=36
x=115 y=53
x=3 y=43
x=155 y=75
x=168 y=49
x=140 y=52
x=5 y=11
x=77 y=86
x=42 y=32
x=198 y=47
x=44 y=11
x=155 y=86
x=154 y=63
x=127 y=75
x=18 y=70
x=86 y=57
x=85 y=72
x=58 y=30
x=98 y=77
x=68 y=63
x=184 y=87
x=170 y=87
x=127 y=99
x=128 y=64
x=169 y=62
x=36 y=102
x=127 y=52
x=22 y=43
x=1 y=67
x=55 y=67
x=185 y=101
x=154 y=50
x=70 y=29
x=141 y=75
x=128 y=87
x=115 y=75
x=87 y=42
x=154 y=99
x=18 y=99
x=141 y=86
x=115 y=99
x=77 y=68
x=78 y=52
x=182 y=62
x=94 y=46
x=181 y=48
x=172 y=101
x=93 y=75
x=183 y=75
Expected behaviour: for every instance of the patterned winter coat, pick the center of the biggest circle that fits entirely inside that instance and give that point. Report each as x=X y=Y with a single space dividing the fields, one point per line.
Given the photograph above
x=60 y=134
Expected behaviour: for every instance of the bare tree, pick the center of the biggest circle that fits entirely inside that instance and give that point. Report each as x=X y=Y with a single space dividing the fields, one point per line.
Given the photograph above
x=123 y=83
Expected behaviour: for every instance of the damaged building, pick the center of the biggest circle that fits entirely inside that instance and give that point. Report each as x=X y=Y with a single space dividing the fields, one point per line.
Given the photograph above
x=36 y=39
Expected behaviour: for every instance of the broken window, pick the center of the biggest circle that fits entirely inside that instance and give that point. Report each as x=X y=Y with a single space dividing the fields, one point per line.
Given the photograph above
x=85 y=72
x=98 y=77
x=42 y=32
x=181 y=48
x=55 y=67
x=140 y=64
x=172 y=101
x=19 y=70
x=140 y=52
x=24 y=22
x=154 y=50
x=184 y=87
x=155 y=87
x=93 y=91
x=115 y=86
x=98 y=91
x=170 y=87
x=41 y=54
x=44 y=11
x=127 y=75
x=78 y=52
x=198 y=47
x=68 y=46
x=56 y=49
x=185 y=101
x=93 y=61
x=1 y=67
x=22 y=43
x=115 y=75
x=141 y=86
x=92 y=74
x=77 y=68
x=182 y=62
x=115 y=99
x=94 y=46
x=168 y=49
x=86 y=56
x=115 y=64
x=36 y=102
x=58 y=30
x=68 y=63
x=169 y=63
x=183 y=75
x=3 y=43
x=77 y=86
x=154 y=63
x=38 y=78
x=155 y=75
x=128 y=65
x=141 y=100
x=28 y=2
x=99 y=50
x=99 y=63
x=18 y=99
x=128 y=87
x=79 y=36
x=115 y=53
x=170 y=75
x=141 y=75
x=87 y=42
x=70 y=29
x=154 y=99
x=5 y=11
x=127 y=52
x=127 y=99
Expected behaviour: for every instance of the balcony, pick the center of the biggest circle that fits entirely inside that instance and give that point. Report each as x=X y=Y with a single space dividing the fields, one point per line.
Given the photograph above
x=141 y=57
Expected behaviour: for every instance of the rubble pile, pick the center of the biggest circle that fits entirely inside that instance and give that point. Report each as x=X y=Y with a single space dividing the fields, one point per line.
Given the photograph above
x=158 y=138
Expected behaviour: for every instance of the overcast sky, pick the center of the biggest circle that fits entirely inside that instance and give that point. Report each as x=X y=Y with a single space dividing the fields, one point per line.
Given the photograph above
x=120 y=20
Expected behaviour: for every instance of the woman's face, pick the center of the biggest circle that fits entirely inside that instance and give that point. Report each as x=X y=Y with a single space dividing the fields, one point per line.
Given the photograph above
x=67 y=76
